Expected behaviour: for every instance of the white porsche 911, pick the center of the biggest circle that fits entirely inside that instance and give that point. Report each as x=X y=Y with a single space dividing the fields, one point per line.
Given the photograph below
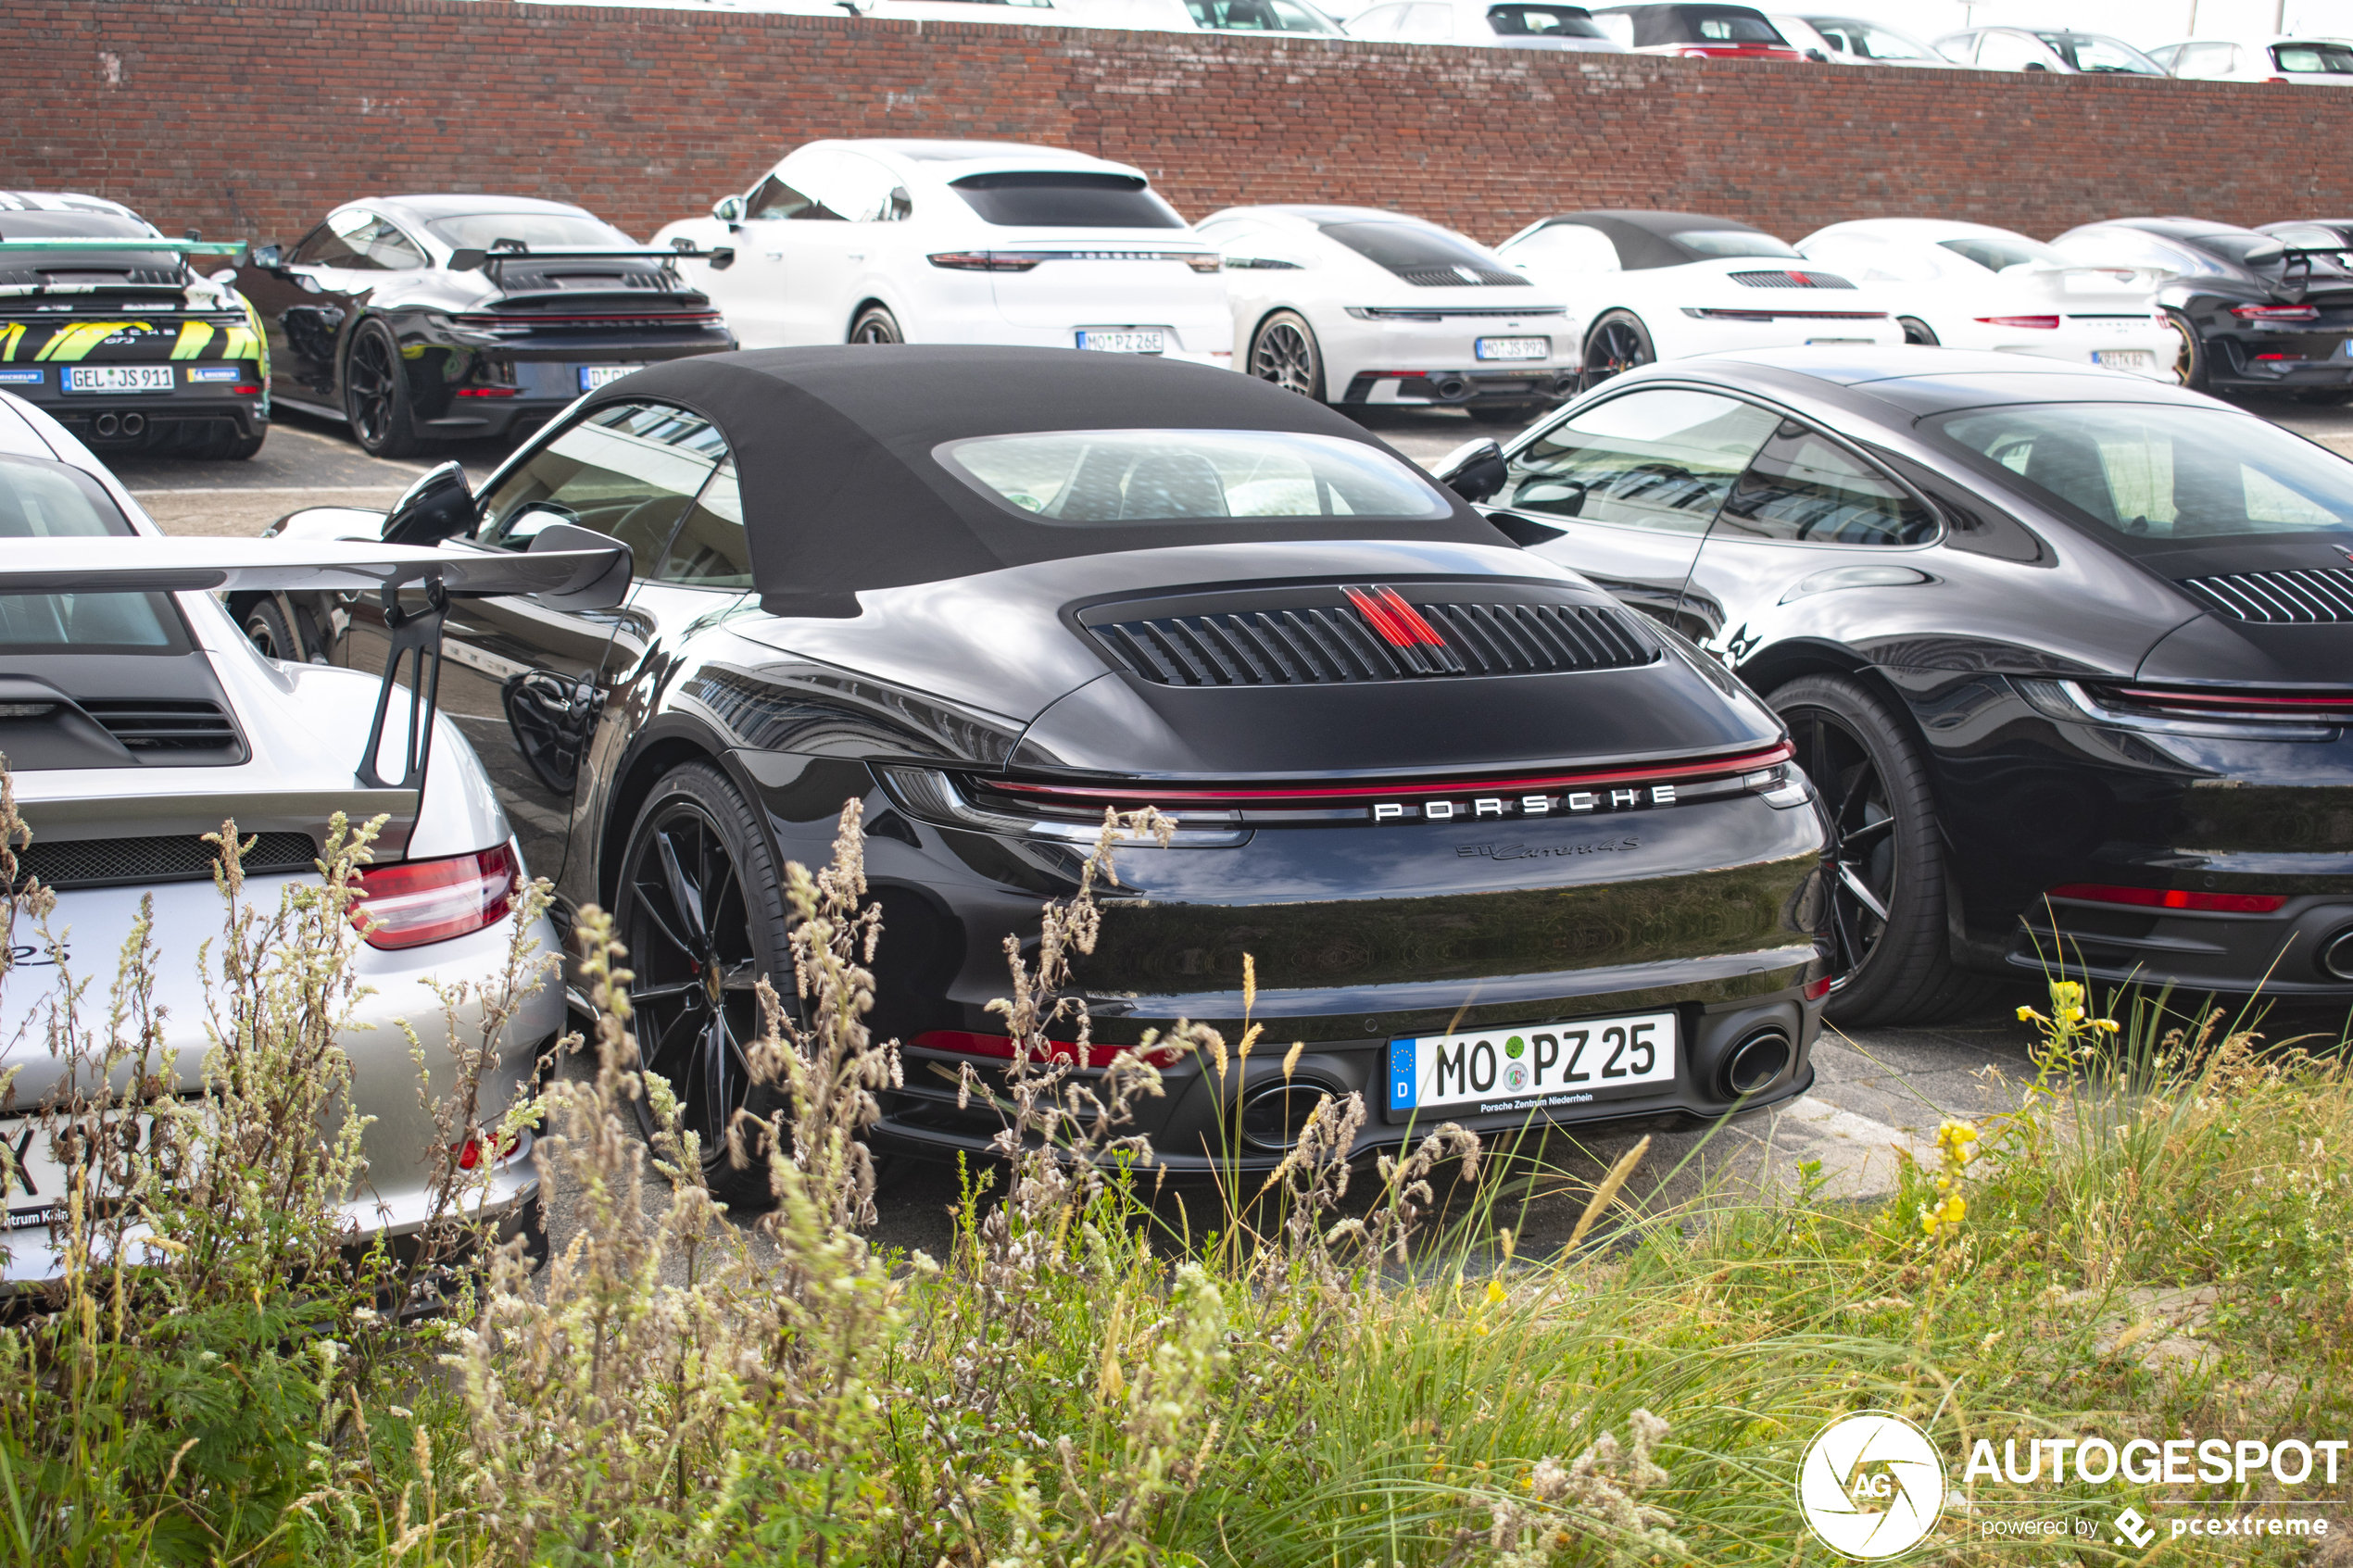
x=959 y=242
x=1645 y=286
x=1966 y=285
x=136 y=717
x=1353 y=305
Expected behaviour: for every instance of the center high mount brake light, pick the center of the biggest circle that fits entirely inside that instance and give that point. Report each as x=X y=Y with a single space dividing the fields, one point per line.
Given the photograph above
x=2170 y=899
x=411 y=903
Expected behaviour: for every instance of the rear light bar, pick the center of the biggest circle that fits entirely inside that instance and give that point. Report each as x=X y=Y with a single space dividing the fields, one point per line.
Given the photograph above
x=2234 y=705
x=511 y=319
x=2170 y=899
x=2276 y=312
x=1731 y=52
x=1719 y=313
x=965 y=1043
x=1096 y=797
x=489 y=391
x=2040 y=323
x=1023 y=260
x=412 y=903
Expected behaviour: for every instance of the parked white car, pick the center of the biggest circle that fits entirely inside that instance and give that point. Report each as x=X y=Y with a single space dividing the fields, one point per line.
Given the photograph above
x=1850 y=41
x=1644 y=286
x=1353 y=305
x=1496 y=24
x=2052 y=49
x=1195 y=15
x=959 y=242
x=1966 y=285
x=2324 y=62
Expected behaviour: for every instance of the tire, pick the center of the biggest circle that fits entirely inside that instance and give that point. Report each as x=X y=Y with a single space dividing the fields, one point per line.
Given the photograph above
x=1886 y=859
x=266 y=628
x=375 y=394
x=2189 y=357
x=1919 y=333
x=699 y=911
x=875 y=324
x=1502 y=413
x=1284 y=350
x=1618 y=343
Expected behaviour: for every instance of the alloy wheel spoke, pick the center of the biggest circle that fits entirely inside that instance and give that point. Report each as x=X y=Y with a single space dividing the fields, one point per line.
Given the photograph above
x=1862 y=891
x=1852 y=838
x=685 y=897
x=674 y=990
x=717 y=1047
x=661 y=923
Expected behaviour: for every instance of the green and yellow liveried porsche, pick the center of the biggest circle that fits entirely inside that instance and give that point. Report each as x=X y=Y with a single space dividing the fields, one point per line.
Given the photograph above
x=108 y=326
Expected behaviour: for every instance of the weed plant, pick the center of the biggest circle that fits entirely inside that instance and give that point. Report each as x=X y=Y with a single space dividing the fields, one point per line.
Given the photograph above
x=1345 y=1370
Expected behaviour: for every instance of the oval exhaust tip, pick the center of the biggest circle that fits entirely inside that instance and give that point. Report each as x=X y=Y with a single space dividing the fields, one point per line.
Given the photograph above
x=1757 y=1061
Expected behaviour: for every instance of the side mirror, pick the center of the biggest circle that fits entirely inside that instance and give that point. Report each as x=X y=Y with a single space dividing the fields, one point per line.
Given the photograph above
x=269 y=257
x=1818 y=56
x=2036 y=65
x=610 y=587
x=728 y=210
x=439 y=505
x=1473 y=471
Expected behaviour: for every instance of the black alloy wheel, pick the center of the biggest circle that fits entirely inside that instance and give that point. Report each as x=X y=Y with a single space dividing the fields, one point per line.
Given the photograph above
x=1917 y=333
x=1618 y=343
x=699 y=911
x=2189 y=352
x=266 y=629
x=1884 y=863
x=375 y=394
x=875 y=324
x=1284 y=351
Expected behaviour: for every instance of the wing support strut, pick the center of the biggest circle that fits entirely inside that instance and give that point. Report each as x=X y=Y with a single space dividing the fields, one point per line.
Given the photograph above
x=416 y=641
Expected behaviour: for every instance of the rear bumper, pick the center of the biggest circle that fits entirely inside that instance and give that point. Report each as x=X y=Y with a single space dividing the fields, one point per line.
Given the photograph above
x=1548 y=385
x=2284 y=954
x=2318 y=361
x=103 y=420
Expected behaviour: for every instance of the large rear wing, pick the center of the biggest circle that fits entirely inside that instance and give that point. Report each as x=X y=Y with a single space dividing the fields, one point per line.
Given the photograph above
x=577 y=579
x=493 y=263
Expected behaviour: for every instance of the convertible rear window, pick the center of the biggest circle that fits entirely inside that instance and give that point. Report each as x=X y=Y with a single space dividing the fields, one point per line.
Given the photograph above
x=1733 y=242
x=1542 y=21
x=1994 y=254
x=1077 y=478
x=1055 y=198
x=2154 y=475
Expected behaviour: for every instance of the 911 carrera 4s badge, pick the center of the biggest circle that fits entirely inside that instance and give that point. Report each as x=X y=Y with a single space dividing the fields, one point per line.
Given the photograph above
x=1573 y=803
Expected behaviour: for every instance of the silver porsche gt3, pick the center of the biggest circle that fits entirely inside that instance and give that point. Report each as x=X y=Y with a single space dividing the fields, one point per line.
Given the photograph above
x=136 y=716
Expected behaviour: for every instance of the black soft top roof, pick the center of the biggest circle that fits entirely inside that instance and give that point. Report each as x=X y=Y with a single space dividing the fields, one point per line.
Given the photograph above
x=1645 y=239
x=841 y=491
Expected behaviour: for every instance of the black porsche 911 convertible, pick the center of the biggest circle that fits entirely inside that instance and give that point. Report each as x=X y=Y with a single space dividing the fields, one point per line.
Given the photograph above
x=1500 y=848
x=2068 y=653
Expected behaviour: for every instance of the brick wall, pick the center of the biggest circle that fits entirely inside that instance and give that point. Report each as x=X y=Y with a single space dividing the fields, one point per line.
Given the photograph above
x=249 y=118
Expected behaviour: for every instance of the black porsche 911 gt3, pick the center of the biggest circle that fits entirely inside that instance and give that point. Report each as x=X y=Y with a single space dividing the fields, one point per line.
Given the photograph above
x=2068 y=653
x=2256 y=311
x=425 y=318
x=1500 y=848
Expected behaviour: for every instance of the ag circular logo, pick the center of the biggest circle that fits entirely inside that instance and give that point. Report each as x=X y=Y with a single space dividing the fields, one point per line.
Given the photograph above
x=1871 y=1486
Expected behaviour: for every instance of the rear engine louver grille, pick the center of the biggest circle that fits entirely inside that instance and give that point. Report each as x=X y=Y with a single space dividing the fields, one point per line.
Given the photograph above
x=1333 y=646
x=1459 y=277
x=145 y=727
x=117 y=862
x=1791 y=281
x=2325 y=594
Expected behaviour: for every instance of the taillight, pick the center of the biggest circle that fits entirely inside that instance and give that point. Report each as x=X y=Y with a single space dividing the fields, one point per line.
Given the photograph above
x=2276 y=312
x=2172 y=898
x=1818 y=988
x=486 y=1149
x=2043 y=323
x=997 y=1046
x=985 y=261
x=410 y=903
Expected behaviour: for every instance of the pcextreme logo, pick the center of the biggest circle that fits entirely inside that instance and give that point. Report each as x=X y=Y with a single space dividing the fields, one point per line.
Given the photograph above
x=1871 y=1486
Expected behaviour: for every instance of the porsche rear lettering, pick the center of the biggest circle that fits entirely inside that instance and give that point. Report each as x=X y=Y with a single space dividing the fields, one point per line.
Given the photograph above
x=1580 y=802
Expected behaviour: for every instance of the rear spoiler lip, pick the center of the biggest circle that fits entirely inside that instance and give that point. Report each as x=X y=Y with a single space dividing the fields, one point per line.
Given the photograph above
x=492 y=262
x=594 y=579
x=104 y=242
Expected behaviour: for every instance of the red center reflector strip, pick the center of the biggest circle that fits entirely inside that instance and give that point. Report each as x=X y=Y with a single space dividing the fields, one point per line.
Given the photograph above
x=966 y=1044
x=2172 y=898
x=1406 y=789
x=1393 y=630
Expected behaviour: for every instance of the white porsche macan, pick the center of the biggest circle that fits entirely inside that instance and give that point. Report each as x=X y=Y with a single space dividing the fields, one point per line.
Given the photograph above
x=959 y=242
x=1966 y=285
x=1353 y=304
x=1645 y=286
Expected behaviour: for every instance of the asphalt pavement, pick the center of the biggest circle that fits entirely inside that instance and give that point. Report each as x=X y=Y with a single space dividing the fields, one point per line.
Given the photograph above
x=1876 y=1091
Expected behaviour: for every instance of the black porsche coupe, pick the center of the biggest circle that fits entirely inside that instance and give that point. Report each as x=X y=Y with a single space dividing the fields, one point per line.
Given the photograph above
x=2068 y=653
x=1501 y=847
x=438 y=318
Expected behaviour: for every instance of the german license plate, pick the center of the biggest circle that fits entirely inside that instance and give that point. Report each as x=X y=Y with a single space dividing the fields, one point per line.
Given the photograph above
x=39 y=1178
x=1531 y=1066
x=1514 y=347
x=1125 y=340
x=118 y=378
x=2139 y=360
x=594 y=376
